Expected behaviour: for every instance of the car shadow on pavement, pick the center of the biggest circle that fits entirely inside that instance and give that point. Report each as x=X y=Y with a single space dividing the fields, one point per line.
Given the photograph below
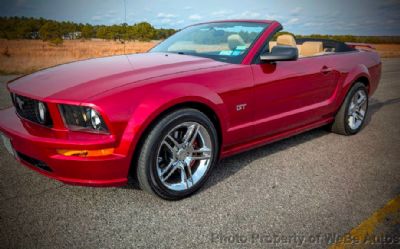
x=375 y=105
x=234 y=164
x=231 y=165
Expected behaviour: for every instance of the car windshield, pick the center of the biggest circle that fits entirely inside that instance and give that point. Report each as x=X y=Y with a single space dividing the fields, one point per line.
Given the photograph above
x=225 y=41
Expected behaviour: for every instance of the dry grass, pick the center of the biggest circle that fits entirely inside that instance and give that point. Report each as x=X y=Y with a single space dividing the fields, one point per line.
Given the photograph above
x=26 y=56
x=388 y=50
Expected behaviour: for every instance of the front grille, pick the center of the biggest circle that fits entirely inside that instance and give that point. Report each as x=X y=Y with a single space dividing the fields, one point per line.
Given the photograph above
x=28 y=108
x=34 y=162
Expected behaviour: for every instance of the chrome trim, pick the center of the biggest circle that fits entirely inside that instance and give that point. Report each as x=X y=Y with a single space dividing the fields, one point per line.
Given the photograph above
x=357 y=109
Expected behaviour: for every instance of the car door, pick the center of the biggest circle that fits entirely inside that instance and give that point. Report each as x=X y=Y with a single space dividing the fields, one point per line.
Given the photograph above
x=291 y=94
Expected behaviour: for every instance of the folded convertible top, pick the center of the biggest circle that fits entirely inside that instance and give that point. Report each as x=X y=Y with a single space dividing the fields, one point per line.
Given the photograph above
x=360 y=45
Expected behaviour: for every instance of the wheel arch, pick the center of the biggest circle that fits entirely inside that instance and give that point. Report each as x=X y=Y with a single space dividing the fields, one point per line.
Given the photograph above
x=359 y=73
x=201 y=106
x=364 y=80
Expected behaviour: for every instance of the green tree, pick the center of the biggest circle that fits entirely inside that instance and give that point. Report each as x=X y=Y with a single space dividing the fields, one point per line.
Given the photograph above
x=29 y=28
x=88 y=31
x=50 y=31
x=102 y=32
x=143 y=31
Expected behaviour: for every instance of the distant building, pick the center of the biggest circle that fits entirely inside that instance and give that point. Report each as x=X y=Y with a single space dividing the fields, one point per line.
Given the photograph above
x=72 y=35
x=34 y=35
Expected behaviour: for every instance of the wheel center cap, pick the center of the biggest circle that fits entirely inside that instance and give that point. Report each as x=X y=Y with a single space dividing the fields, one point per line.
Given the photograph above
x=182 y=154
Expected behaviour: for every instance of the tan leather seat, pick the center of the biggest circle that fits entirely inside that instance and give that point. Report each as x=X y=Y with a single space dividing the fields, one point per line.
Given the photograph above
x=299 y=49
x=272 y=44
x=311 y=49
x=286 y=40
x=234 y=41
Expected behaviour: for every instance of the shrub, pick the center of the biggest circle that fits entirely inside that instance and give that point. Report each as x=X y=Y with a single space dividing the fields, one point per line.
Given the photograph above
x=56 y=41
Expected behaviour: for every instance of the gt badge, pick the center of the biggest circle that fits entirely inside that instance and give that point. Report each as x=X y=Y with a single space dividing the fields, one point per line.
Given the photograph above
x=241 y=107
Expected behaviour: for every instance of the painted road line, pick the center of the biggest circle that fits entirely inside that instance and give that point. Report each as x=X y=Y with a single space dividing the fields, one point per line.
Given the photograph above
x=363 y=235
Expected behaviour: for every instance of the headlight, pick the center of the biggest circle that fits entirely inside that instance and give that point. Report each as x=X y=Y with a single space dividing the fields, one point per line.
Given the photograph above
x=41 y=112
x=82 y=118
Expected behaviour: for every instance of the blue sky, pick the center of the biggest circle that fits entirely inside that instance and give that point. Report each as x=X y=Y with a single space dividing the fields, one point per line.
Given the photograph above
x=357 y=17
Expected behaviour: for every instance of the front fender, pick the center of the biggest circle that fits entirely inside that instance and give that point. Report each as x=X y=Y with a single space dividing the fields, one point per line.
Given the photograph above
x=164 y=98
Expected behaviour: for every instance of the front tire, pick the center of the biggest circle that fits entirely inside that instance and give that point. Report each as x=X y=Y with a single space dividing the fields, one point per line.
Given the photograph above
x=178 y=155
x=352 y=114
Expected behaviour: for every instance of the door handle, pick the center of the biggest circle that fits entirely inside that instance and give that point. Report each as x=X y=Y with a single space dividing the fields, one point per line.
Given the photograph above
x=326 y=70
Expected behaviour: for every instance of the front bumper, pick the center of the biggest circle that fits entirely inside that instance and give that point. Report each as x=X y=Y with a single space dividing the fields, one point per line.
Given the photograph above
x=37 y=148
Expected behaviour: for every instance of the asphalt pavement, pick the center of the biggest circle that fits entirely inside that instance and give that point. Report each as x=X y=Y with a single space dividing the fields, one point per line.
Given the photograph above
x=301 y=191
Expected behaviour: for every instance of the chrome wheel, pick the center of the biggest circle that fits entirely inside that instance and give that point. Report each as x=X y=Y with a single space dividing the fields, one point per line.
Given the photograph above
x=357 y=109
x=184 y=156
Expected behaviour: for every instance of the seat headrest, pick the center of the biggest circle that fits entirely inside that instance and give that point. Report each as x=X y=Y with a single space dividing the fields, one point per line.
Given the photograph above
x=286 y=40
x=234 y=41
x=271 y=45
x=312 y=48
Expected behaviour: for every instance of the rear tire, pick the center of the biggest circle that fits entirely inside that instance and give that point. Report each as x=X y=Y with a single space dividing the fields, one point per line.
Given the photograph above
x=178 y=155
x=352 y=114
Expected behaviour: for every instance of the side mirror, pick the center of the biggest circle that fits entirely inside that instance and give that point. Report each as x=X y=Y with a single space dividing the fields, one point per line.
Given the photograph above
x=281 y=53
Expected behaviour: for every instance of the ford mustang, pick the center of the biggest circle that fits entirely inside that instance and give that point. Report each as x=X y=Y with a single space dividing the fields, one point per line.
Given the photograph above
x=167 y=116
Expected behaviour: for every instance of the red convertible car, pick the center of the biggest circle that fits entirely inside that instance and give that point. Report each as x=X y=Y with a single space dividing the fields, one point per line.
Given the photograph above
x=165 y=117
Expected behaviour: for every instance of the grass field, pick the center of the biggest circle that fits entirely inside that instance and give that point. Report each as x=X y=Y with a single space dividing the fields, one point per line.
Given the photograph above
x=388 y=50
x=26 y=56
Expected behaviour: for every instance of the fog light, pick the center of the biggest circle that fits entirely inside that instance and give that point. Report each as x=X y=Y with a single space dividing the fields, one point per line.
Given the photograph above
x=86 y=153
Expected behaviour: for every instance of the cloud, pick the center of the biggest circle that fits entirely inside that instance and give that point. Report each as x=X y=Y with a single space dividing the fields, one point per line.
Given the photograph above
x=20 y=3
x=389 y=4
x=301 y=17
x=296 y=11
x=273 y=17
x=178 y=24
x=391 y=21
x=165 y=15
x=221 y=12
x=165 y=21
x=293 y=20
x=109 y=17
x=195 y=17
x=245 y=15
x=313 y=24
x=97 y=18
x=250 y=14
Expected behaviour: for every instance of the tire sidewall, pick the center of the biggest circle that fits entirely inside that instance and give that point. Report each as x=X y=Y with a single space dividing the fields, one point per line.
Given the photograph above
x=161 y=130
x=358 y=86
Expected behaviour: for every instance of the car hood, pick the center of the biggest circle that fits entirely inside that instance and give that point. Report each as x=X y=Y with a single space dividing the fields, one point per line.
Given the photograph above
x=78 y=81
